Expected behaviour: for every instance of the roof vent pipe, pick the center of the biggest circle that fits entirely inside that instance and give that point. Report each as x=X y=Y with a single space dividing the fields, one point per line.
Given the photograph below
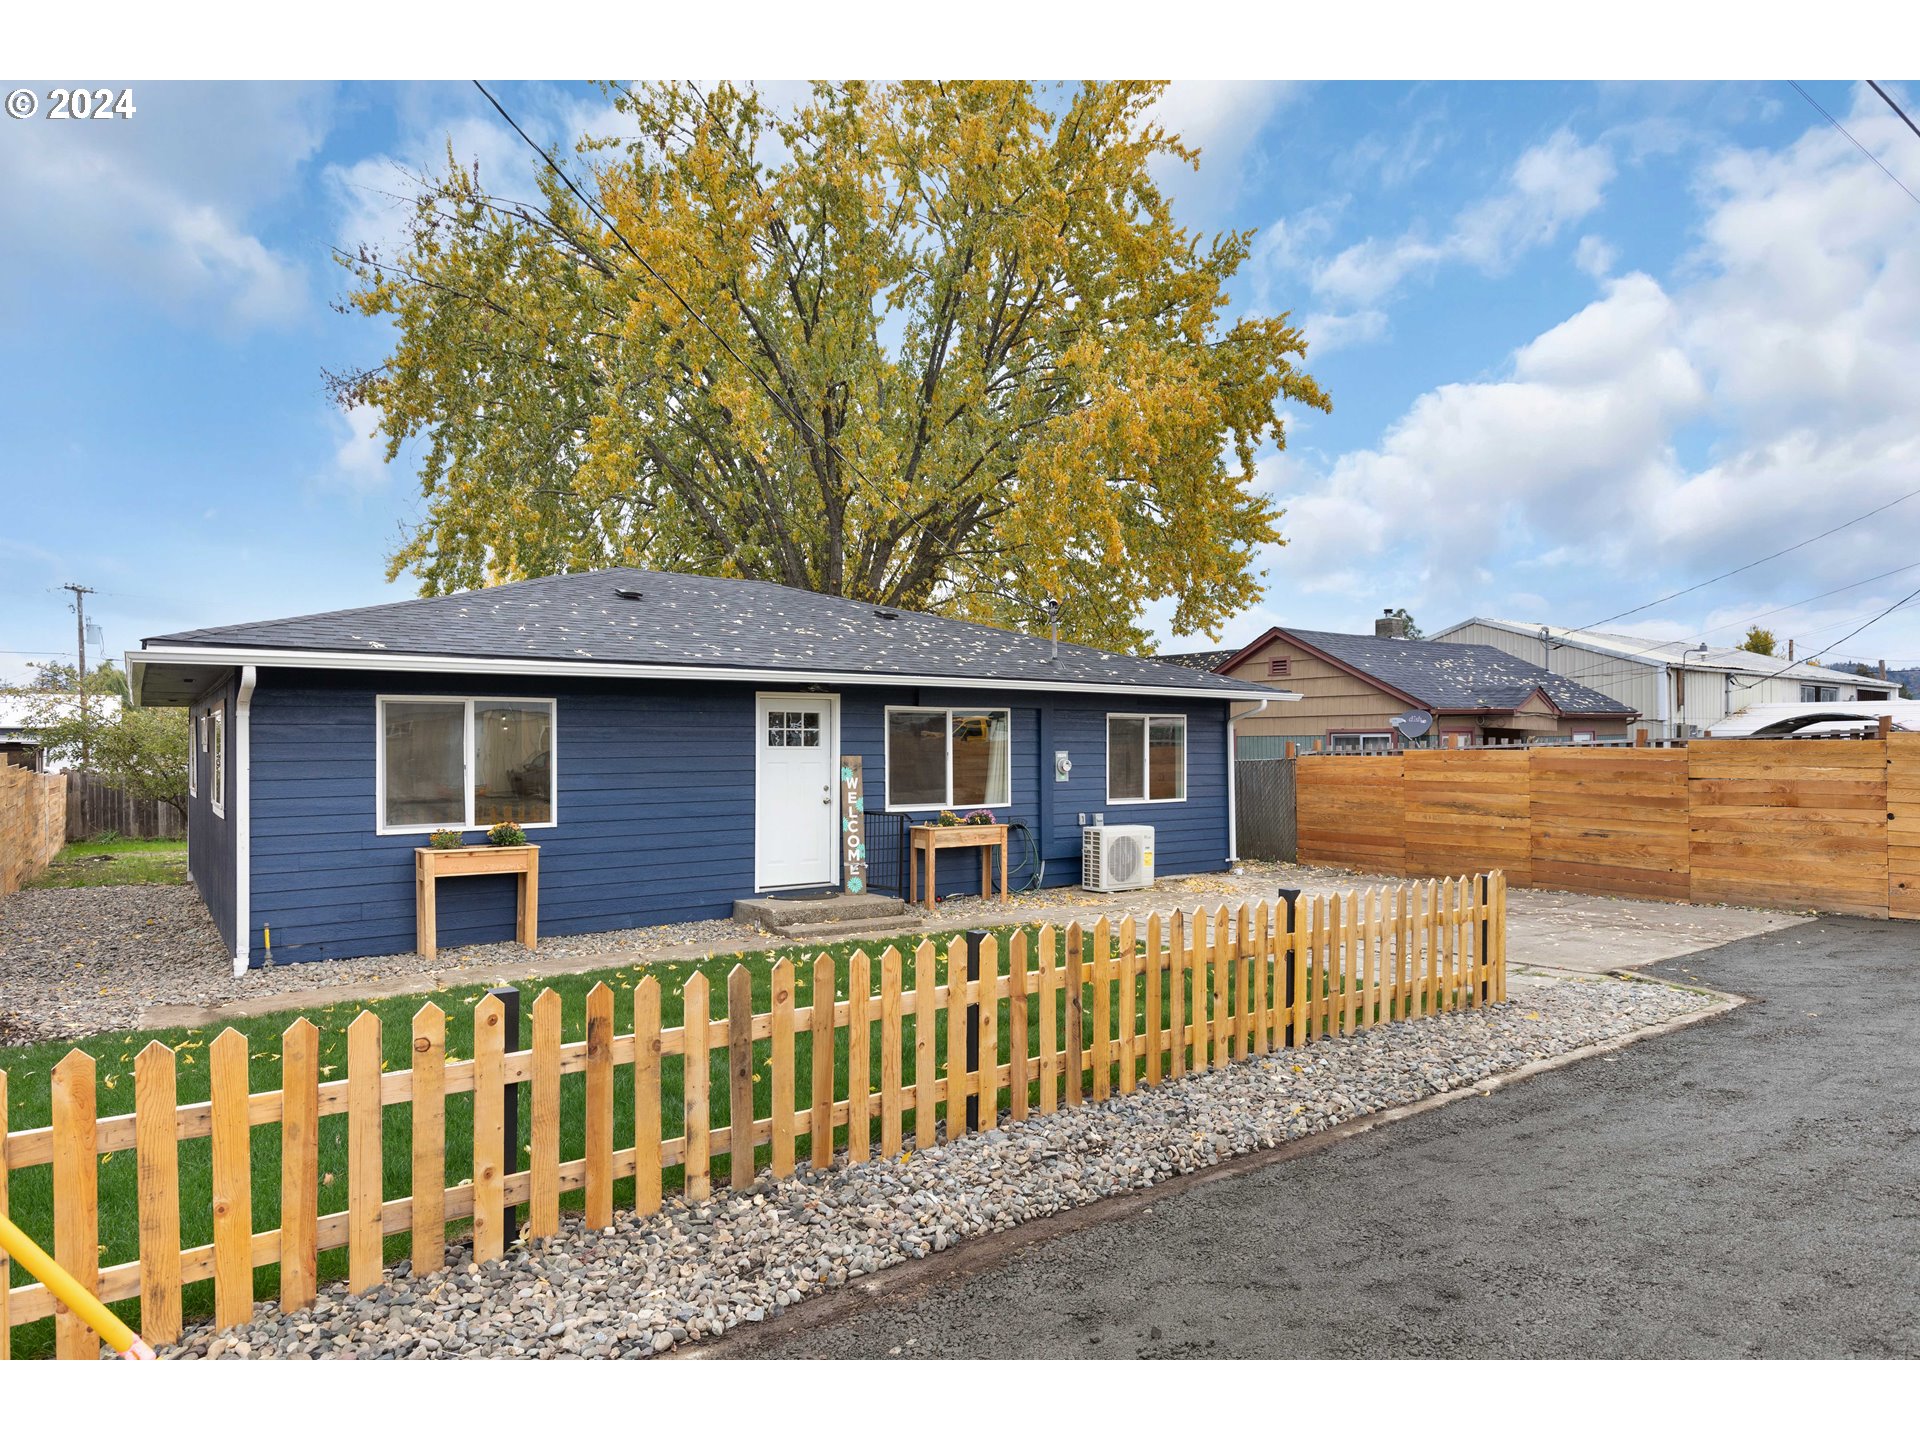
x=1052 y=607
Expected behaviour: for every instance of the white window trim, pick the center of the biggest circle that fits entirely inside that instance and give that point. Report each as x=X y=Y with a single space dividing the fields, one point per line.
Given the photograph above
x=193 y=757
x=217 y=769
x=380 y=825
x=1146 y=756
x=935 y=807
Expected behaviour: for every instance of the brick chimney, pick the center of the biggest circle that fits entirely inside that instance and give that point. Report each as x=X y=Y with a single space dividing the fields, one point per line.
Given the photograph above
x=1392 y=625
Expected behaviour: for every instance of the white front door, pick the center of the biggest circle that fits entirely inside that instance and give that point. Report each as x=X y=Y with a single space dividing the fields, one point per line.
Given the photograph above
x=797 y=748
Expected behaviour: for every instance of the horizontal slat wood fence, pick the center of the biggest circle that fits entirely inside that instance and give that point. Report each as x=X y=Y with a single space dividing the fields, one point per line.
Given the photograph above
x=1064 y=1018
x=1820 y=824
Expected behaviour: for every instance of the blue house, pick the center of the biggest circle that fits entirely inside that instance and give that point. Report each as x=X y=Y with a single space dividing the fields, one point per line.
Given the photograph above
x=671 y=742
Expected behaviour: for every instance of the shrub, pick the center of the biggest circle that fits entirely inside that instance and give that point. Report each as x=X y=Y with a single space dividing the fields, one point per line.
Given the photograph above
x=506 y=833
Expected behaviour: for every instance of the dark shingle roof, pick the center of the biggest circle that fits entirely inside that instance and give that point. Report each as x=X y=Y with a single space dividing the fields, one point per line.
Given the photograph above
x=1199 y=659
x=698 y=620
x=1444 y=676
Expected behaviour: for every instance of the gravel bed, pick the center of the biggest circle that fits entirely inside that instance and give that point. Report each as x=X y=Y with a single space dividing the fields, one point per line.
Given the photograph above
x=77 y=962
x=81 y=961
x=647 y=1285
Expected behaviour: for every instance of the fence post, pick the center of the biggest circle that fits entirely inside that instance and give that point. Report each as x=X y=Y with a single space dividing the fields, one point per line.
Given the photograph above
x=509 y=999
x=975 y=938
x=1290 y=898
x=1486 y=973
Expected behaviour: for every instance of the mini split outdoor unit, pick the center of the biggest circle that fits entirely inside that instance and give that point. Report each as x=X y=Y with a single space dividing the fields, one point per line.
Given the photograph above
x=1116 y=857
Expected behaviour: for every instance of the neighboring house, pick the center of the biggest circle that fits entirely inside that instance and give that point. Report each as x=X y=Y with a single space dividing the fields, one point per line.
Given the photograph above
x=672 y=742
x=19 y=745
x=1681 y=689
x=1351 y=687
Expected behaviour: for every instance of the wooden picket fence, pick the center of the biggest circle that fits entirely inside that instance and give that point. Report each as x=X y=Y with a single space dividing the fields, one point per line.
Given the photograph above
x=1126 y=1005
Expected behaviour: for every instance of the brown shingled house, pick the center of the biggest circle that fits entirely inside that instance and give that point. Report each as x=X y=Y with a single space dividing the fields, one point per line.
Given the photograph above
x=1353 y=685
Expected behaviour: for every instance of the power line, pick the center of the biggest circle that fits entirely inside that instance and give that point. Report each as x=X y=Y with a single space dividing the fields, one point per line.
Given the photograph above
x=1903 y=600
x=1894 y=106
x=1857 y=145
x=1725 y=574
x=1613 y=660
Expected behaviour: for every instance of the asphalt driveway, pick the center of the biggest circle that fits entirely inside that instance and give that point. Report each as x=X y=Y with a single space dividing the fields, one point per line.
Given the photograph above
x=1746 y=1187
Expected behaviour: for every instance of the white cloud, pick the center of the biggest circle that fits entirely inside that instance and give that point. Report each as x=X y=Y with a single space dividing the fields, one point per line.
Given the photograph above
x=1595 y=256
x=1222 y=119
x=360 y=455
x=161 y=207
x=1665 y=432
x=1551 y=186
x=1327 y=332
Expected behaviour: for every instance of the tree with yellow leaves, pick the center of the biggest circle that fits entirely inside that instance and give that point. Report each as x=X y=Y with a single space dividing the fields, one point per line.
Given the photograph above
x=934 y=345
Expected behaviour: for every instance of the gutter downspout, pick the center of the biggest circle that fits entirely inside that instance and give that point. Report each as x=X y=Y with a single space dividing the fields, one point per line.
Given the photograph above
x=243 y=820
x=1233 y=765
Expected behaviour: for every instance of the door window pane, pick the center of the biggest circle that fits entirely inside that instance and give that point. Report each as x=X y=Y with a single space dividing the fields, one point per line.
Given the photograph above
x=426 y=770
x=1126 y=757
x=513 y=762
x=917 y=757
x=1167 y=759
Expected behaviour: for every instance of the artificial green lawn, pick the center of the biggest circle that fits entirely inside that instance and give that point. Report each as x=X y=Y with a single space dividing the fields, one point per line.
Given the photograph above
x=115 y=861
x=29 y=1077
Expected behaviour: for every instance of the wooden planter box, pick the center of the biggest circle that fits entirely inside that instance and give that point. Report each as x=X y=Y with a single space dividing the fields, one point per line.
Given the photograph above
x=930 y=840
x=429 y=865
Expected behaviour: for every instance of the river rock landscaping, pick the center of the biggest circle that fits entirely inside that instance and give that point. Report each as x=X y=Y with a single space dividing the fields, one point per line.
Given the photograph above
x=646 y=1285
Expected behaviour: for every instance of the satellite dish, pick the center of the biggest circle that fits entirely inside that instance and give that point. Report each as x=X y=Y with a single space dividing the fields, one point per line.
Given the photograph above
x=1413 y=724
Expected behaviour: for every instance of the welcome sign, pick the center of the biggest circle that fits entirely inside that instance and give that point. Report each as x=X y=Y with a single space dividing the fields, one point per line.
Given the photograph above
x=853 y=828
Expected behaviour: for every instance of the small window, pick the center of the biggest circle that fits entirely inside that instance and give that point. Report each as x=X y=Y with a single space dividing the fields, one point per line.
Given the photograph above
x=794 y=729
x=1146 y=758
x=1819 y=694
x=1279 y=665
x=463 y=764
x=942 y=759
x=217 y=769
x=193 y=759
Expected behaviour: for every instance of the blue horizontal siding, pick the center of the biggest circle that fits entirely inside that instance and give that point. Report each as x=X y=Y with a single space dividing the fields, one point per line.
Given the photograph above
x=655 y=806
x=211 y=859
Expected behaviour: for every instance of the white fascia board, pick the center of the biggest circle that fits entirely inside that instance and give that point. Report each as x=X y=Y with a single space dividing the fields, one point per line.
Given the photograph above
x=387 y=661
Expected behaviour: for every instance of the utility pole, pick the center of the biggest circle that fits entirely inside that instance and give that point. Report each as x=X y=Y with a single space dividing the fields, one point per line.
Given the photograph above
x=80 y=593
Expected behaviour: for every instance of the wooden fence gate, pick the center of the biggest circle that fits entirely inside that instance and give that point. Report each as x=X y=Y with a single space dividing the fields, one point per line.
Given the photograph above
x=1903 y=826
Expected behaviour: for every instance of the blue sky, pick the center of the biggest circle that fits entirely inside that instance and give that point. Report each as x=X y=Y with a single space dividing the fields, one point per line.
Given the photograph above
x=1587 y=344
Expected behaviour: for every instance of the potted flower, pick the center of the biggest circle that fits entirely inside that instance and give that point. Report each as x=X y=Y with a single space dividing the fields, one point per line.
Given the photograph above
x=506 y=833
x=977 y=817
x=446 y=840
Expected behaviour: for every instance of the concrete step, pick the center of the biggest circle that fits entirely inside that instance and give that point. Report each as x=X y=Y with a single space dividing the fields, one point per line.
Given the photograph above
x=785 y=916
